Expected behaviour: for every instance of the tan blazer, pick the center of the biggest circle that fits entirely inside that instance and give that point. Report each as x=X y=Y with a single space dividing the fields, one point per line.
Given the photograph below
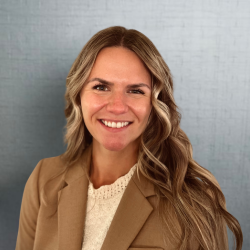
x=60 y=226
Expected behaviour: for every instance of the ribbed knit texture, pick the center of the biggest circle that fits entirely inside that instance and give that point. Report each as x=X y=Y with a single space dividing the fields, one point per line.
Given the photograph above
x=102 y=204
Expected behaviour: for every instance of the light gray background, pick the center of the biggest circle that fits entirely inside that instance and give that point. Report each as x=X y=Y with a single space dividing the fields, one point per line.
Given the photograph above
x=205 y=44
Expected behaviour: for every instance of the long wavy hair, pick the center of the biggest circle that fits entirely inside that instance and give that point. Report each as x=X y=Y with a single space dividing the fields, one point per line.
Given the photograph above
x=165 y=154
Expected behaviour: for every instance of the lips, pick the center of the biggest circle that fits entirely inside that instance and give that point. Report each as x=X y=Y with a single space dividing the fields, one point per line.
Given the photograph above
x=113 y=120
x=114 y=130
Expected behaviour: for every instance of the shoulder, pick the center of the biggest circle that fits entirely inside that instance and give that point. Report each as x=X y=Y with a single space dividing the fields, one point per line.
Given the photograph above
x=46 y=169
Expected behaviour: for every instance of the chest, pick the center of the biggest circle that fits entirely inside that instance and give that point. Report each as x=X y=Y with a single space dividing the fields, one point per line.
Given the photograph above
x=149 y=232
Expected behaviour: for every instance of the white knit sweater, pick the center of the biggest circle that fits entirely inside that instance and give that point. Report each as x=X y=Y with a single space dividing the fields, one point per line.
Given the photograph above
x=102 y=204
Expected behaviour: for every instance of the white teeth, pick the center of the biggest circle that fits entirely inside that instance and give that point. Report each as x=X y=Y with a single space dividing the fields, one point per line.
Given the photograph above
x=114 y=124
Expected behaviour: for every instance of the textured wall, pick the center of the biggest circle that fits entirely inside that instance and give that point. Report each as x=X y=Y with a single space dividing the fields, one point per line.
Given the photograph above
x=205 y=44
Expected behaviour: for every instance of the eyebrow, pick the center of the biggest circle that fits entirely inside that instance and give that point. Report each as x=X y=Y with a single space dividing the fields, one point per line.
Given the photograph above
x=135 y=85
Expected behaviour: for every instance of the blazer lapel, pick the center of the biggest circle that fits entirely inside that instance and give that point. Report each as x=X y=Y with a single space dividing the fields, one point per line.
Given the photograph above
x=131 y=214
x=72 y=204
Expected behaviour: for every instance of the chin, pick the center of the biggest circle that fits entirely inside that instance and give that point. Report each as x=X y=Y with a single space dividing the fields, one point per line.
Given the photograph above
x=114 y=146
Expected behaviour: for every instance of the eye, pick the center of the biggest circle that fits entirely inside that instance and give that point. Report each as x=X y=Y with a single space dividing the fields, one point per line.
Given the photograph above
x=103 y=86
x=140 y=91
x=99 y=85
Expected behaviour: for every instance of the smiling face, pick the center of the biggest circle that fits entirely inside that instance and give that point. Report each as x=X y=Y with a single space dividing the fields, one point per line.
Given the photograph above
x=117 y=69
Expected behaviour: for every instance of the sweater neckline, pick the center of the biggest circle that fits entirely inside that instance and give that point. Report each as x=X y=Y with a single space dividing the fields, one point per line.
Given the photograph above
x=111 y=190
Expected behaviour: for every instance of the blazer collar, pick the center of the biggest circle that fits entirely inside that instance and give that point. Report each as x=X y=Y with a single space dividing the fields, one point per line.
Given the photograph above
x=132 y=212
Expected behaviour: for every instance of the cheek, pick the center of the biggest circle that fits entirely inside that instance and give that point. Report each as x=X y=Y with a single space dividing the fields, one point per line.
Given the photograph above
x=142 y=110
x=91 y=103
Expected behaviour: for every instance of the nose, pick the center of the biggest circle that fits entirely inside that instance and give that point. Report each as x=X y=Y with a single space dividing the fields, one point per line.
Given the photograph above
x=117 y=103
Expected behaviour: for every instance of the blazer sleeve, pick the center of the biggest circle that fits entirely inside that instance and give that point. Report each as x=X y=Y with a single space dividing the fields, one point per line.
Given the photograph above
x=29 y=211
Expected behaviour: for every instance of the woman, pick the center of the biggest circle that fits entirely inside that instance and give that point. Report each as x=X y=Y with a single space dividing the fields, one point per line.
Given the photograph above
x=127 y=179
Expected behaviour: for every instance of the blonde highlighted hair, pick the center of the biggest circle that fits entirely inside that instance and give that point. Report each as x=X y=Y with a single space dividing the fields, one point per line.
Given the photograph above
x=165 y=154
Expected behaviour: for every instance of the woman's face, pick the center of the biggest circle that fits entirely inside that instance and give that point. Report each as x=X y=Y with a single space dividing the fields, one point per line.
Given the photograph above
x=117 y=101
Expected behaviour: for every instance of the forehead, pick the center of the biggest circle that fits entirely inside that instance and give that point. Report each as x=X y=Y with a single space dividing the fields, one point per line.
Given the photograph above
x=118 y=64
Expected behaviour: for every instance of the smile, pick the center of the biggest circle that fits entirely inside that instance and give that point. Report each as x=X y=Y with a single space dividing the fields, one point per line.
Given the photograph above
x=119 y=128
x=114 y=124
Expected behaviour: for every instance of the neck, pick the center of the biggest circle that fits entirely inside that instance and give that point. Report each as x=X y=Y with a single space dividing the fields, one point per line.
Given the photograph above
x=107 y=166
